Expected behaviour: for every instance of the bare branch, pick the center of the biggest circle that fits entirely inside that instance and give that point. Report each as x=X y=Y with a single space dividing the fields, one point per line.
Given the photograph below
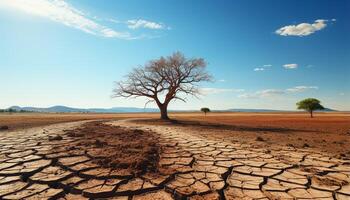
x=168 y=76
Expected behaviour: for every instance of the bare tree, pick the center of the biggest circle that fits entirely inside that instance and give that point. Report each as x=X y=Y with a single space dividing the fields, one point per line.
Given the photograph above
x=163 y=80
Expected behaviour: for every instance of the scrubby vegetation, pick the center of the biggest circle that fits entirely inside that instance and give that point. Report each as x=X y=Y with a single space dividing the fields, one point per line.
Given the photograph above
x=11 y=110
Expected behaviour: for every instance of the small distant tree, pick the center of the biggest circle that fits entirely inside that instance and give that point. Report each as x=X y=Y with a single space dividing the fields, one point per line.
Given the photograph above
x=205 y=110
x=310 y=105
x=11 y=110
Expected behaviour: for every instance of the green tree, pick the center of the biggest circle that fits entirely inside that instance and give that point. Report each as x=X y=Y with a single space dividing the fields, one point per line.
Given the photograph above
x=310 y=105
x=205 y=110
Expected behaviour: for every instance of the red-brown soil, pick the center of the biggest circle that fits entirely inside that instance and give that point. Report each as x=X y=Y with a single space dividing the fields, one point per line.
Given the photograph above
x=134 y=151
x=199 y=159
x=326 y=132
x=27 y=120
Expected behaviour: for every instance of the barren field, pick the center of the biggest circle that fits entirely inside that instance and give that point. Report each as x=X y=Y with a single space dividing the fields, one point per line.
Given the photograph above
x=136 y=156
x=27 y=120
x=329 y=132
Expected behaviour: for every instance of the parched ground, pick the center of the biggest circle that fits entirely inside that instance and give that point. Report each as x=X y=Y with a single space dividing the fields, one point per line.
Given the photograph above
x=16 y=121
x=82 y=160
x=327 y=132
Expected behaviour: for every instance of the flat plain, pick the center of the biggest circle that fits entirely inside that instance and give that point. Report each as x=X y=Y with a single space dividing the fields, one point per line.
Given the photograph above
x=137 y=156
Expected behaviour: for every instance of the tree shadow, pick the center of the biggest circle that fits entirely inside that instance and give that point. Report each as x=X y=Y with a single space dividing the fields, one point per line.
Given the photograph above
x=218 y=126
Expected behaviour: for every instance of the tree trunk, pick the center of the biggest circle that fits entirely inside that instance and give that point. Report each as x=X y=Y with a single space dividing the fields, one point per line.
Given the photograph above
x=164 y=112
x=311 y=114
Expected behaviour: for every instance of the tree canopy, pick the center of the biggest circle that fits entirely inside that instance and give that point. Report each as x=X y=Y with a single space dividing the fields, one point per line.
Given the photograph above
x=205 y=110
x=310 y=105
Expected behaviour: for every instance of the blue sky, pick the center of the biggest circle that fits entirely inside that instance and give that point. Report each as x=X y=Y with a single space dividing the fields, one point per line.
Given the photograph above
x=262 y=54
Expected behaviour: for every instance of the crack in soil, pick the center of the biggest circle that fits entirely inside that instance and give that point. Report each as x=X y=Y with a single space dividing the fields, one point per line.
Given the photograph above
x=107 y=160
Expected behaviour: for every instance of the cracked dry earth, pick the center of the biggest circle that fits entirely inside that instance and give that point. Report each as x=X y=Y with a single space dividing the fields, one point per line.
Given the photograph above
x=190 y=167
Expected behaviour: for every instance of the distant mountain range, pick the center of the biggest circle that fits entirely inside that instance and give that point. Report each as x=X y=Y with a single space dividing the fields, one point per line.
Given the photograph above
x=65 y=109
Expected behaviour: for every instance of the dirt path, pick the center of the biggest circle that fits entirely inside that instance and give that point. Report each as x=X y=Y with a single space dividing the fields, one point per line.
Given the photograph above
x=190 y=167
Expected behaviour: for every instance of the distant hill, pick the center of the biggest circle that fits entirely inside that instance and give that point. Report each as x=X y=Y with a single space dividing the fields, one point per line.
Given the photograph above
x=327 y=110
x=65 y=109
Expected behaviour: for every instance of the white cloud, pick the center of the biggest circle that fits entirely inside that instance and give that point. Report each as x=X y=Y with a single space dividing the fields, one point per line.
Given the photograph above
x=248 y=96
x=263 y=68
x=301 y=88
x=259 y=69
x=276 y=92
x=302 y=29
x=113 y=20
x=290 y=66
x=342 y=94
x=262 y=93
x=221 y=80
x=141 y=23
x=62 y=12
x=270 y=92
x=207 y=91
